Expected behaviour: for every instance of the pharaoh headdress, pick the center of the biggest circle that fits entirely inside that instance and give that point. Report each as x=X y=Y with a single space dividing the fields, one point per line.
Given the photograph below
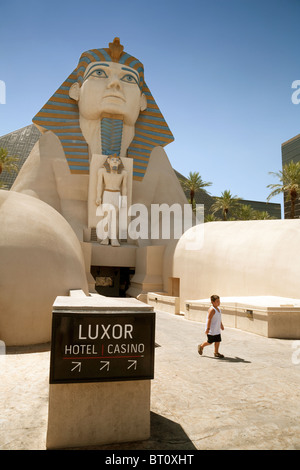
x=61 y=115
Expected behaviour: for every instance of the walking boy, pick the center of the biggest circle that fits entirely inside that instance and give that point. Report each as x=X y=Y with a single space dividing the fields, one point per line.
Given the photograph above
x=213 y=327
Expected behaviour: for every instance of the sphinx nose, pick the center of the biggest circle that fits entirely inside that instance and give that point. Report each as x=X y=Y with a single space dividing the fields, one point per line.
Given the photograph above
x=114 y=82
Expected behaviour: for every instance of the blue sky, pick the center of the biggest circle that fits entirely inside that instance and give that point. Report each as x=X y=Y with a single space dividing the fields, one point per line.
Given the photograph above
x=220 y=70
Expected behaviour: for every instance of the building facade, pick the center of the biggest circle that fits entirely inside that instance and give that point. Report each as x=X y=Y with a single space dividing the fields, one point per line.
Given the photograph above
x=290 y=151
x=18 y=143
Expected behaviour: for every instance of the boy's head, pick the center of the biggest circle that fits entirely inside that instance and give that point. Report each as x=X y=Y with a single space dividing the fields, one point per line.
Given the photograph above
x=214 y=298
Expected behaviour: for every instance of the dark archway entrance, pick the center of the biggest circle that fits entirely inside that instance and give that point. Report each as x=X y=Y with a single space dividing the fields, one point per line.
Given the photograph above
x=112 y=281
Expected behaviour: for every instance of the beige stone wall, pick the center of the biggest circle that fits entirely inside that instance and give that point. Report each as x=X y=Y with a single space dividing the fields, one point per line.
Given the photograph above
x=164 y=302
x=41 y=258
x=248 y=258
x=270 y=316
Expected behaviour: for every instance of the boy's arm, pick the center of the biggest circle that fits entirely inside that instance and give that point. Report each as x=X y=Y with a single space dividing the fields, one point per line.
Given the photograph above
x=211 y=313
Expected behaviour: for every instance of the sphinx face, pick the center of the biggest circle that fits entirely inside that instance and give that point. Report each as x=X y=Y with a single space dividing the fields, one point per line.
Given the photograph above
x=114 y=163
x=111 y=88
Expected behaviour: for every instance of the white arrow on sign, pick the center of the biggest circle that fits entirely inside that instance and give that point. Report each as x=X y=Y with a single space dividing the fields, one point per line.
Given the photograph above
x=133 y=364
x=105 y=364
x=77 y=366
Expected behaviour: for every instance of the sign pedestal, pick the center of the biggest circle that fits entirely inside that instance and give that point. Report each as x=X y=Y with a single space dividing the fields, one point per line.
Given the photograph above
x=102 y=361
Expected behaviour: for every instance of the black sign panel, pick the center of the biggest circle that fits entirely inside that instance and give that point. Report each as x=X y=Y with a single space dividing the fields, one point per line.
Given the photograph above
x=98 y=347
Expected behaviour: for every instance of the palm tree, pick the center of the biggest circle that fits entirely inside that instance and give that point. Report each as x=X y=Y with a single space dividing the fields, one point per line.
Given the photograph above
x=211 y=218
x=245 y=212
x=263 y=215
x=289 y=184
x=193 y=183
x=225 y=203
x=7 y=163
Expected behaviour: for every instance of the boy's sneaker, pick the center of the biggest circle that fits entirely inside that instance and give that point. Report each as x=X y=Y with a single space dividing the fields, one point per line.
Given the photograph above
x=220 y=356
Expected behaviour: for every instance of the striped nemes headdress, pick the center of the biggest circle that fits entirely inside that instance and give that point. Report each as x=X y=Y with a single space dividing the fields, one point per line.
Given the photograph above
x=61 y=115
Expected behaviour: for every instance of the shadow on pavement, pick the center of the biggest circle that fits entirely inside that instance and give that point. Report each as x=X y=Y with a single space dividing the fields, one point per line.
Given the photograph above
x=165 y=435
x=229 y=359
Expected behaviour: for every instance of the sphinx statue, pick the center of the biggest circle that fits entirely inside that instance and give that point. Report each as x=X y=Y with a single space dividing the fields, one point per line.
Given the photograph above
x=102 y=110
x=104 y=107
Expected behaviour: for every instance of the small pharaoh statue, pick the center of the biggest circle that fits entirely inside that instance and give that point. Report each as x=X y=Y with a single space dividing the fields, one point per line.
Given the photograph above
x=111 y=187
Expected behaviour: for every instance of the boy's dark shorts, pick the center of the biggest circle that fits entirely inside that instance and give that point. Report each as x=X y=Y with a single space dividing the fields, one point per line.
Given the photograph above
x=214 y=339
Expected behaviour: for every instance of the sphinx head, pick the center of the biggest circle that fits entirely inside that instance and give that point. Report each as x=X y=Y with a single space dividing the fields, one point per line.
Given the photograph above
x=107 y=83
x=108 y=87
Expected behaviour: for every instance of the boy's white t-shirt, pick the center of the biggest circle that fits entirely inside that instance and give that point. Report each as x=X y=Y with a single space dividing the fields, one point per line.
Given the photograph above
x=215 y=326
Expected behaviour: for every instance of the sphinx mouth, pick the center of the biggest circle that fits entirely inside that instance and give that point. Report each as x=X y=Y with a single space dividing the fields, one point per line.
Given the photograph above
x=115 y=95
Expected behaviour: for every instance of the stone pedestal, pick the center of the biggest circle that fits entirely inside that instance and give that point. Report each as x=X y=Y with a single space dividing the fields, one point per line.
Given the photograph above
x=91 y=414
x=85 y=414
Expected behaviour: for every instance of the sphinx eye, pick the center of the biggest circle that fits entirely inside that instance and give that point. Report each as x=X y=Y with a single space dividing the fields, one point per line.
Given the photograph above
x=99 y=73
x=129 y=79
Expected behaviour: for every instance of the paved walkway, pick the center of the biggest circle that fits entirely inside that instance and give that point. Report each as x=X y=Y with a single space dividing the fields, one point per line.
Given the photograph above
x=248 y=400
